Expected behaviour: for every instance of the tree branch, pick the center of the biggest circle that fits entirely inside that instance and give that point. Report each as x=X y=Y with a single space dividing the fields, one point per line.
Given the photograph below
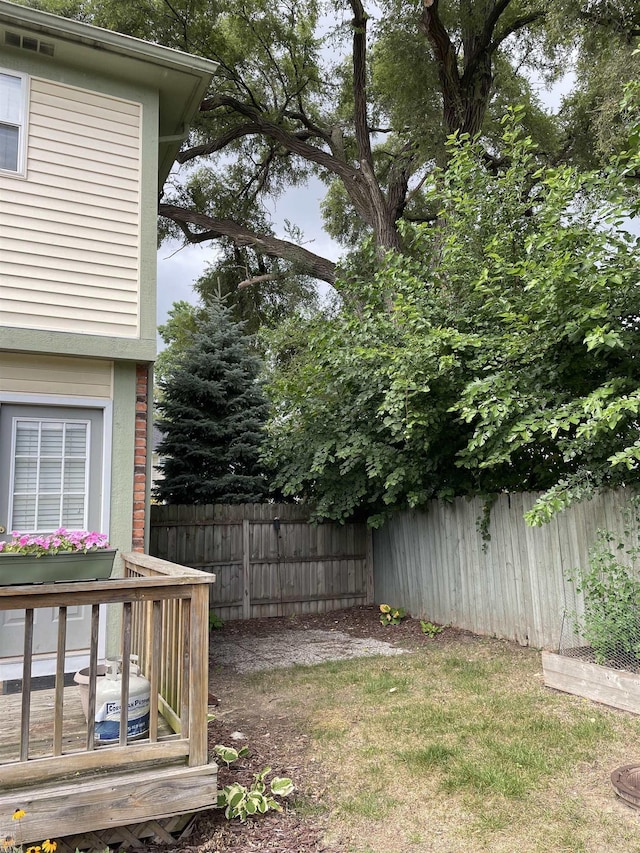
x=516 y=25
x=359 y=27
x=499 y=8
x=312 y=128
x=378 y=212
x=258 y=279
x=356 y=182
x=263 y=244
x=262 y=125
x=398 y=182
x=431 y=25
x=217 y=144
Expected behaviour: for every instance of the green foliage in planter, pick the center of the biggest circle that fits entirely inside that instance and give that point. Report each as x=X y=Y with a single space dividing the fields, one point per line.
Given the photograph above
x=611 y=590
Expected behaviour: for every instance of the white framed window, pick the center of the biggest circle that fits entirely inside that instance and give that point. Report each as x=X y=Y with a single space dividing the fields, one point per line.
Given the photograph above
x=50 y=474
x=13 y=120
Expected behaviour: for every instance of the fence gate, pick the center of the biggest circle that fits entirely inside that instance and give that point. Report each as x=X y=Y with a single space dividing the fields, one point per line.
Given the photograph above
x=267 y=558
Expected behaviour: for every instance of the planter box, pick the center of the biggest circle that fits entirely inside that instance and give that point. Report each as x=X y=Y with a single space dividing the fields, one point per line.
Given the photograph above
x=66 y=566
x=616 y=688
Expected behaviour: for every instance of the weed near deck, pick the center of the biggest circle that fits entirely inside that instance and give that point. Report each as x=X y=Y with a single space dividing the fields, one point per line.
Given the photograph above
x=461 y=748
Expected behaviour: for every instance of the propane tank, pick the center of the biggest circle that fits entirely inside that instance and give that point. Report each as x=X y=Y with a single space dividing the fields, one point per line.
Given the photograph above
x=108 y=702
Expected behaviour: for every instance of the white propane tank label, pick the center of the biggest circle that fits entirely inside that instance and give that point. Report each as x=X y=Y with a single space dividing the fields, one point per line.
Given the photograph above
x=108 y=704
x=108 y=719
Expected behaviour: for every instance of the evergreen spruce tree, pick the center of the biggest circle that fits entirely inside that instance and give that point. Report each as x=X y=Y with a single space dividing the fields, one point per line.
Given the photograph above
x=212 y=414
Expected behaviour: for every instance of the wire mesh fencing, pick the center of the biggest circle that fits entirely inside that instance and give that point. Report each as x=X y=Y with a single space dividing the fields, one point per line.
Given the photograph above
x=602 y=601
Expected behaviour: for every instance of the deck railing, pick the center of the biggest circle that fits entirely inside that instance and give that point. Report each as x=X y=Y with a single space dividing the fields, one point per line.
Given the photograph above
x=164 y=621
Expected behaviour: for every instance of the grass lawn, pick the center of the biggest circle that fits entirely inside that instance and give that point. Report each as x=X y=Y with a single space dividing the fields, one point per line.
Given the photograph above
x=460 y=747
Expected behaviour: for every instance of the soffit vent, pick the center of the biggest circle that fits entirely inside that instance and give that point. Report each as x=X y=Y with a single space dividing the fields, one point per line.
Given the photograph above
x=29 y=43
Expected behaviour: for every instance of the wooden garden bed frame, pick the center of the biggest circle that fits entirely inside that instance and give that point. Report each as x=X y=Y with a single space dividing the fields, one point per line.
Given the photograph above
x=613 y=687
x=163 y=609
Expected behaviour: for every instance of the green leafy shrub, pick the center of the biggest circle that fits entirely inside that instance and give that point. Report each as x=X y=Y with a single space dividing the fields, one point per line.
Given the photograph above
x=228 y=754
x=215 y=621
x=499 y=354
x=239 y=801
x=611 y=591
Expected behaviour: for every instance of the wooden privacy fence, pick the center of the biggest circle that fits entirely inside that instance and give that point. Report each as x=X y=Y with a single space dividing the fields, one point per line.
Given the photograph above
x=436 y=565
x=267 y=558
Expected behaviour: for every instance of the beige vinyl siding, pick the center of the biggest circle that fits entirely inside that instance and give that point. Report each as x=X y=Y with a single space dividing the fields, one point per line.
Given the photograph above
x=70 y=234
x=52 y=374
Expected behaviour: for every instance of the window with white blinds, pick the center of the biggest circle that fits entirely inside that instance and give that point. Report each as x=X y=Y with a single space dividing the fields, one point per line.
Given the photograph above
x=50 y=482
x=12 y=121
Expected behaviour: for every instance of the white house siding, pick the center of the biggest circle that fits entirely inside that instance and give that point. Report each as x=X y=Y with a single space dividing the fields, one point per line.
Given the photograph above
x=55 y=375
x=69 y=232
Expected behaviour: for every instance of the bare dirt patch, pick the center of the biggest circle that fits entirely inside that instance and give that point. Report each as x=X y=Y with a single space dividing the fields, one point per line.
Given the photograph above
x=356 y=621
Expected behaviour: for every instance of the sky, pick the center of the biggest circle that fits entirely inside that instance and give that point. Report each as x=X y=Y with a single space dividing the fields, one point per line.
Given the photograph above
x=179 y=267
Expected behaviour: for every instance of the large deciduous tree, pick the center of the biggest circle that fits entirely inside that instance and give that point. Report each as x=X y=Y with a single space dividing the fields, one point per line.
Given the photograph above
x=500 y=352
x=365 y=104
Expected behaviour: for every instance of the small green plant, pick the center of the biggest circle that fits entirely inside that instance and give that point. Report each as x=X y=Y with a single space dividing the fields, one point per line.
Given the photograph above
x=611 y=591
x=228 y=754
x=391 y=615
x=431 y=629
x=239 y=801
x=215 y=621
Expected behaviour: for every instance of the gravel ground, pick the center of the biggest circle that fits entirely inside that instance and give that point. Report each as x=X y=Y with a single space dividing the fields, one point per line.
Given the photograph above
x=294 y=648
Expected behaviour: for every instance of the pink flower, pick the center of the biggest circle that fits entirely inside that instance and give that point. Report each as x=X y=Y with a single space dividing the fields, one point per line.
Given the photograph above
x=61 y=540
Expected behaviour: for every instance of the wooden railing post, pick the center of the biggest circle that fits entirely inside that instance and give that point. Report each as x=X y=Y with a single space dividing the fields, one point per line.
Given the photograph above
x=59 y=694
x=26 y=684
x=198 y=676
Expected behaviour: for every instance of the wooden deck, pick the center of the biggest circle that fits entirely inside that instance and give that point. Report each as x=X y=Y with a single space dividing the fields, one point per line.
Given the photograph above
x=74 y=725
x=52 y=765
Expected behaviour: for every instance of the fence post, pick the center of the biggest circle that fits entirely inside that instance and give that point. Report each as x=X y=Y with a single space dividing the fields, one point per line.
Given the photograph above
x=246 y=568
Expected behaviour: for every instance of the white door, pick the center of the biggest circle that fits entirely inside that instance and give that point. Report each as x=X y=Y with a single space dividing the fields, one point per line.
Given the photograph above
x=51 y=476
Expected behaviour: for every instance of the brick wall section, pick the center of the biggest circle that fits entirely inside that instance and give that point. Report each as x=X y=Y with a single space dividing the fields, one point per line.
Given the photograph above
x=140 y=459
